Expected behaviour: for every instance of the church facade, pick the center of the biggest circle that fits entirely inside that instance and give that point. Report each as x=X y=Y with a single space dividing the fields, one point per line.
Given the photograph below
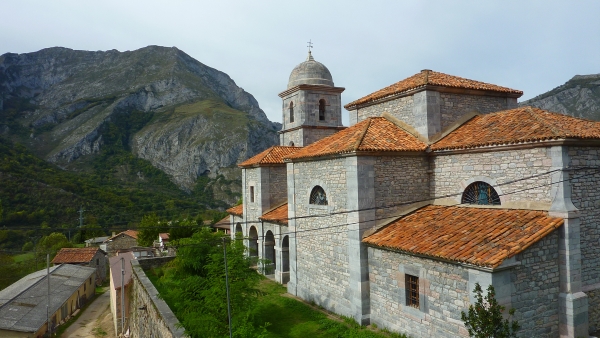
x=439 y=183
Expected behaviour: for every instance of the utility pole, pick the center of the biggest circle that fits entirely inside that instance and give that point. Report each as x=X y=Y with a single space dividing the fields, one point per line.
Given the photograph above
x=122 y=296
x=227 y=287
x=81 y=210
x=48 y=303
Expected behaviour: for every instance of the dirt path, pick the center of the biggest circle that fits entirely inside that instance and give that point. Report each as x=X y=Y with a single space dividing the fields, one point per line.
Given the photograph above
x=95 y=321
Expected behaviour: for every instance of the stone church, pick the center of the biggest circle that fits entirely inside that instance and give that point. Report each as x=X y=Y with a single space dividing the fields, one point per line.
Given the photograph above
x=439 y=182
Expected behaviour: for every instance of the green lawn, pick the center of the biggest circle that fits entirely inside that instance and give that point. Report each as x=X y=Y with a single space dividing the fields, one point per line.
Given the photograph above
x=291 y=318
x=23 y=257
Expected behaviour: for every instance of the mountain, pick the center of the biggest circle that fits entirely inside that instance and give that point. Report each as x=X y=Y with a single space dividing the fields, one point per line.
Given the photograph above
x=578 y=97
x=159 y=104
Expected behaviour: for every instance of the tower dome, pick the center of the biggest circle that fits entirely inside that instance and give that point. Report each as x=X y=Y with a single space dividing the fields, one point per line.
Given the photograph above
x=310 y=72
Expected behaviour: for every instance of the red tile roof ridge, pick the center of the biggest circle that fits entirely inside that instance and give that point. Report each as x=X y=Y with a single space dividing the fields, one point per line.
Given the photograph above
x=237 y=210
x=482 y=237
x=517 y=126
x=75 y=255
x=428 y=77
x=278 y=214
x=374 y=134
x=271 y=155
x=130 y=233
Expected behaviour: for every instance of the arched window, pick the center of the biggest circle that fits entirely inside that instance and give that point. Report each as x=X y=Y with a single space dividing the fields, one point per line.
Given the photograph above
x=480 y=193
x=321 y=110
x=318 y=196
x=291 y=143
x=291 y=111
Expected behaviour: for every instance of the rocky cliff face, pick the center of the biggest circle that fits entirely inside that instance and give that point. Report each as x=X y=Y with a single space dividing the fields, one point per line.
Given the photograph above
x=579 y=97
x=184 y=117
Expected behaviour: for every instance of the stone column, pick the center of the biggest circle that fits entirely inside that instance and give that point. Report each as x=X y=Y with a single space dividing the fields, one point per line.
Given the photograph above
x=573 y=303
x=292 y=285
x=426 y=113
x=360 y=177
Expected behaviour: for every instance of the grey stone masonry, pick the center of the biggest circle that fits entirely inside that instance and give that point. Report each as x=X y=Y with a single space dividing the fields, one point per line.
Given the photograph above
x=305 y=101
x=585 y=183
x=446 y=289
x=319 y=269
x=398 y=181
x=573 y=302
x=150 y=315
x=504 y=170
x=401 y=108
x=431 y=111
x=453 y=106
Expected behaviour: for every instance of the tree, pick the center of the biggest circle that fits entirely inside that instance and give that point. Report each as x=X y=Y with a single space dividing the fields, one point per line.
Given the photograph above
x=51 y=244
x=484 y=318
x=183 y=228
x=149 y=228
x=1 y=211
x=196 y=284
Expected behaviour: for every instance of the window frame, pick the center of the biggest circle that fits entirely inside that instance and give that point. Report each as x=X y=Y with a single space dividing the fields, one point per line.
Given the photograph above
x=322 y=109
x=476 y=194
x=312 y=200
x=411 y=284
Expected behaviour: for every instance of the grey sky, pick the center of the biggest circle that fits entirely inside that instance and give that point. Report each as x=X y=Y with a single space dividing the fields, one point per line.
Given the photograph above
x=533 y=46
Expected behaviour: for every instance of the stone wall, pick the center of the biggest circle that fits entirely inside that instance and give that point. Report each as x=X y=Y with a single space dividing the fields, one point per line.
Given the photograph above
x=536 y=289
x=401 y=108
x=150 y=315
x=252 y=210
x=277 y=185
x=305 y=136
x=321 y=269
x=399 y=180
x=453 y=106
x=586 y=197
x=445 y=289
x=119 y=243
x=453 y=173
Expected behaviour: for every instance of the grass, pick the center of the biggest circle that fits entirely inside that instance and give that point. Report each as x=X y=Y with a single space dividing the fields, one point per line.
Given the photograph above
x=291 y=318
x=23 y=257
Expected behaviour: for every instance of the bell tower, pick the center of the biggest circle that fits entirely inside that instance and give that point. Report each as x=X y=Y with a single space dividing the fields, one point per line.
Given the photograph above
x=312 y=106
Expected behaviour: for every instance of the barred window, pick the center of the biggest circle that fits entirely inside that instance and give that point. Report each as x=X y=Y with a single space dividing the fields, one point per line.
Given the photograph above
x=412 y=290
x=291 y=111
x=480 y=193
x=321 y=110
x=318 y=196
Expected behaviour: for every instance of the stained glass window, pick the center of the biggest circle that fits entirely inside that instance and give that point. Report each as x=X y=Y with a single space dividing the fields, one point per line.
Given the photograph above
x=318 y=196
x=480 y=193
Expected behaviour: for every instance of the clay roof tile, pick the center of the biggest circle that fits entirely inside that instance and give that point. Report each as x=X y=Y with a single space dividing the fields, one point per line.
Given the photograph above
x=272 y=155
x=429 y=77
x=479 y=236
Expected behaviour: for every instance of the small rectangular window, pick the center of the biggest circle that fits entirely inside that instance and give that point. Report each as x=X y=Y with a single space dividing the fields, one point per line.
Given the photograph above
x=251 y=194
x=412 y=291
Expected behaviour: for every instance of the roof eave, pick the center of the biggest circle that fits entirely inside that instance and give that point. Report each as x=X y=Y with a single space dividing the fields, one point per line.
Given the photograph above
x=441 y=89
x=517 y=146
x=311 y=87
x=357 y=153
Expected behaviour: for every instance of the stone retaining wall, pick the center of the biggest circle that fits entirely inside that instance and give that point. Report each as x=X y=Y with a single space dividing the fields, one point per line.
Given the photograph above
x=150 y=315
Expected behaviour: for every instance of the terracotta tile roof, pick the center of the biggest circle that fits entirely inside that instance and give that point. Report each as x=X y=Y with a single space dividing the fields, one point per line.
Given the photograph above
x=164 y=236
x=130 y=233
x=273 y=155
x=483 y=237
x=74 y=255
x=429 y=77
x=372 y=134
x=238 y=210
x=277 y=215
x=524 y=124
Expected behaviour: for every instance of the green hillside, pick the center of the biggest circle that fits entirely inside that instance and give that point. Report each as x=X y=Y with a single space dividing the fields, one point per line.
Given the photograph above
x=115 y=193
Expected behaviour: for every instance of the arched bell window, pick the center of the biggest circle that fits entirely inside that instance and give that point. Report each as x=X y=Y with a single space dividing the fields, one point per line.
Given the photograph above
x=321 y=110
x=291 y=111
x=291 y=144
x=480 y=193
x=318 y=196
